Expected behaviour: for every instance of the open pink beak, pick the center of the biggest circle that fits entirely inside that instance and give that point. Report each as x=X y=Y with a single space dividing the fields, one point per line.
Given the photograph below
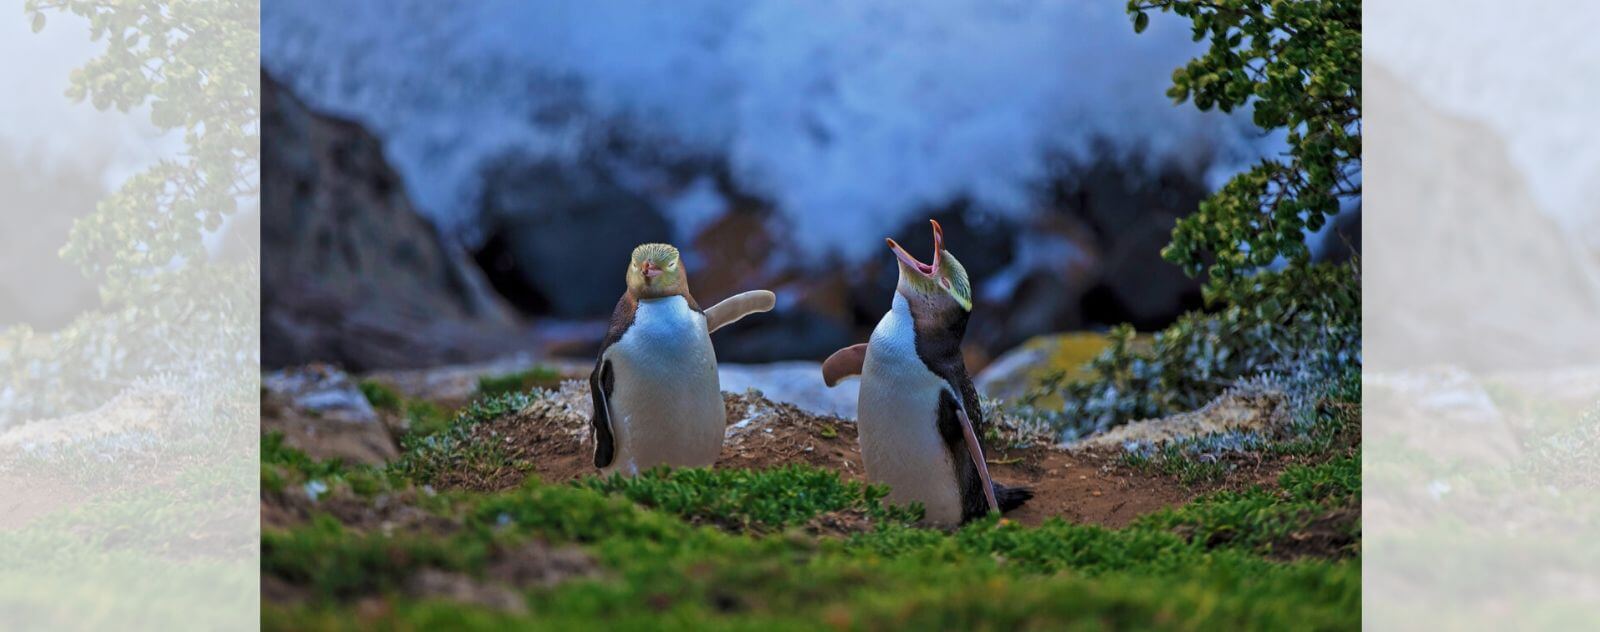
x=649 y=270
x=930 y=271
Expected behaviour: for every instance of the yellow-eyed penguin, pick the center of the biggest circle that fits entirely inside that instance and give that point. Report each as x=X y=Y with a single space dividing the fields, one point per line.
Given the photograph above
x=656 y=397
x=918 y=416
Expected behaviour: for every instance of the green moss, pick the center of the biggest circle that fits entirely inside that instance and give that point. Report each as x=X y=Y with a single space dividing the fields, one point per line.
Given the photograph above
x=380 y=395
x=280 y=456
x=1177 y=459
x=721 y=549
x=1323 y=500
x=424 y=418
x=519 y=382
x=751 y=499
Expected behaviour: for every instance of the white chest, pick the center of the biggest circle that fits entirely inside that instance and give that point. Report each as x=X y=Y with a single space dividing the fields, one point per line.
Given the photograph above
x=666 y=404
x=898 y=421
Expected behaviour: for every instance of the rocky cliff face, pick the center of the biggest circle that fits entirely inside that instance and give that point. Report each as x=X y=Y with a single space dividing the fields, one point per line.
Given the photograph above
x=350 y=273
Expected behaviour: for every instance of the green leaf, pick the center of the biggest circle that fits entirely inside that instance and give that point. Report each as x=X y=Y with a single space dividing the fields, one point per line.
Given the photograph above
x=38 y=22
x=1141 y=20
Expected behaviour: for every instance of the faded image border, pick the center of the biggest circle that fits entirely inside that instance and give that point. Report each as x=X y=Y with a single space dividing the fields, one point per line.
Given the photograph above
x=129 y=453
x=1481 y=393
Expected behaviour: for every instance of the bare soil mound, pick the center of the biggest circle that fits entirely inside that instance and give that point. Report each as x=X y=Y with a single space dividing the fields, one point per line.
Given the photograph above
x=551 y=439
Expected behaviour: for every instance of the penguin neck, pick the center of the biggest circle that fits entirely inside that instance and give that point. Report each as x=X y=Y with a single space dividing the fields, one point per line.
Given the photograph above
x=938 y=325
x=666 y=327
x=643 y=296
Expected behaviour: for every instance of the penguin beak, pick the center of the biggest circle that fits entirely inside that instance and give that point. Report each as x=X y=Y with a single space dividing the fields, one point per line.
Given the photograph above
x=930 y=271
x=649 y=270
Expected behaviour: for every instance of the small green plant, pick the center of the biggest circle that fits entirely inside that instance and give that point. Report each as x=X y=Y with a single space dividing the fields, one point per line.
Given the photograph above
x=381 y=396
x=1304 y=324
x=423 y=418
x=520 y=381
x=1324 y=496
x=450 y=445
x=1182 y=459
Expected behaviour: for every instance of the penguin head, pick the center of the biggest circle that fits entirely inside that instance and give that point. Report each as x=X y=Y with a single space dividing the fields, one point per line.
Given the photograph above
x=943 y=281
x=656 y=271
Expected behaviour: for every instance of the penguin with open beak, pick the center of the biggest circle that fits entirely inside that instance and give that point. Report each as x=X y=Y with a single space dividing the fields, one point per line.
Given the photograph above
x=918 y=416
x=657 y=399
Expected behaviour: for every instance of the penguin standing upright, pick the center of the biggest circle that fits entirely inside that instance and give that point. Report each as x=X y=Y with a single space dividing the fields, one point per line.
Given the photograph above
x=657 y=400
x=918 y=416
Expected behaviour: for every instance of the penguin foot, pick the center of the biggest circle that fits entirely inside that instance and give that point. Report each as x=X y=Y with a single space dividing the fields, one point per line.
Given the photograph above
x=1011 y=497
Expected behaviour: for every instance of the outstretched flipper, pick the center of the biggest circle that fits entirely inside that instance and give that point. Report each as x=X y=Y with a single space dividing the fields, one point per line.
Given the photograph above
x=601 y=382
x=844 y=363
x=735 y=307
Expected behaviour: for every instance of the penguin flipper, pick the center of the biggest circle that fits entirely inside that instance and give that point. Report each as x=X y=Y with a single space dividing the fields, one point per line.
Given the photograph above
x=1011 y=497
x=844 y=363
x=601 y=382
x=976 y=451
x=735 y=307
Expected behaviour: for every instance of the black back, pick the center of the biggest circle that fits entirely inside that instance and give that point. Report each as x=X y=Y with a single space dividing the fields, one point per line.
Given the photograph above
x=940 y=325
x=602 y=382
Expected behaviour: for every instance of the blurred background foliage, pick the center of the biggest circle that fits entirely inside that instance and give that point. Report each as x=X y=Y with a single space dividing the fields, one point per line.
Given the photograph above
x=172 y=310
x=1298 y=66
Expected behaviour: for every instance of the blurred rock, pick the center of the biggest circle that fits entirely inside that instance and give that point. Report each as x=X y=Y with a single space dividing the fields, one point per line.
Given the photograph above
x=741 y=250
x=350 y=273
x=371 y=294
x=1041 y=290
x=1240 y=410
x=1131 y=209
x=321 y=391
x=456 y=385
x=560 y=235
x=798 y=383
x=1020 y=370
x=322 y=412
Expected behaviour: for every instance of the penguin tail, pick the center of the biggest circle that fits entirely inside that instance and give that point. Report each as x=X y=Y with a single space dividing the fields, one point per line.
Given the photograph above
x=1011 y=497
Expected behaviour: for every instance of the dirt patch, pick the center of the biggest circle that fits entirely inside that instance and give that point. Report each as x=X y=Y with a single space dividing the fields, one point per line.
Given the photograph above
x=551 y=439
x=540 y=564
x=1085 y=487
x=28 y=497
x=386 y=513
x=839 y=523
x=763 y=434
x=278 y=590
x=432 y=583
x=1334 y=534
